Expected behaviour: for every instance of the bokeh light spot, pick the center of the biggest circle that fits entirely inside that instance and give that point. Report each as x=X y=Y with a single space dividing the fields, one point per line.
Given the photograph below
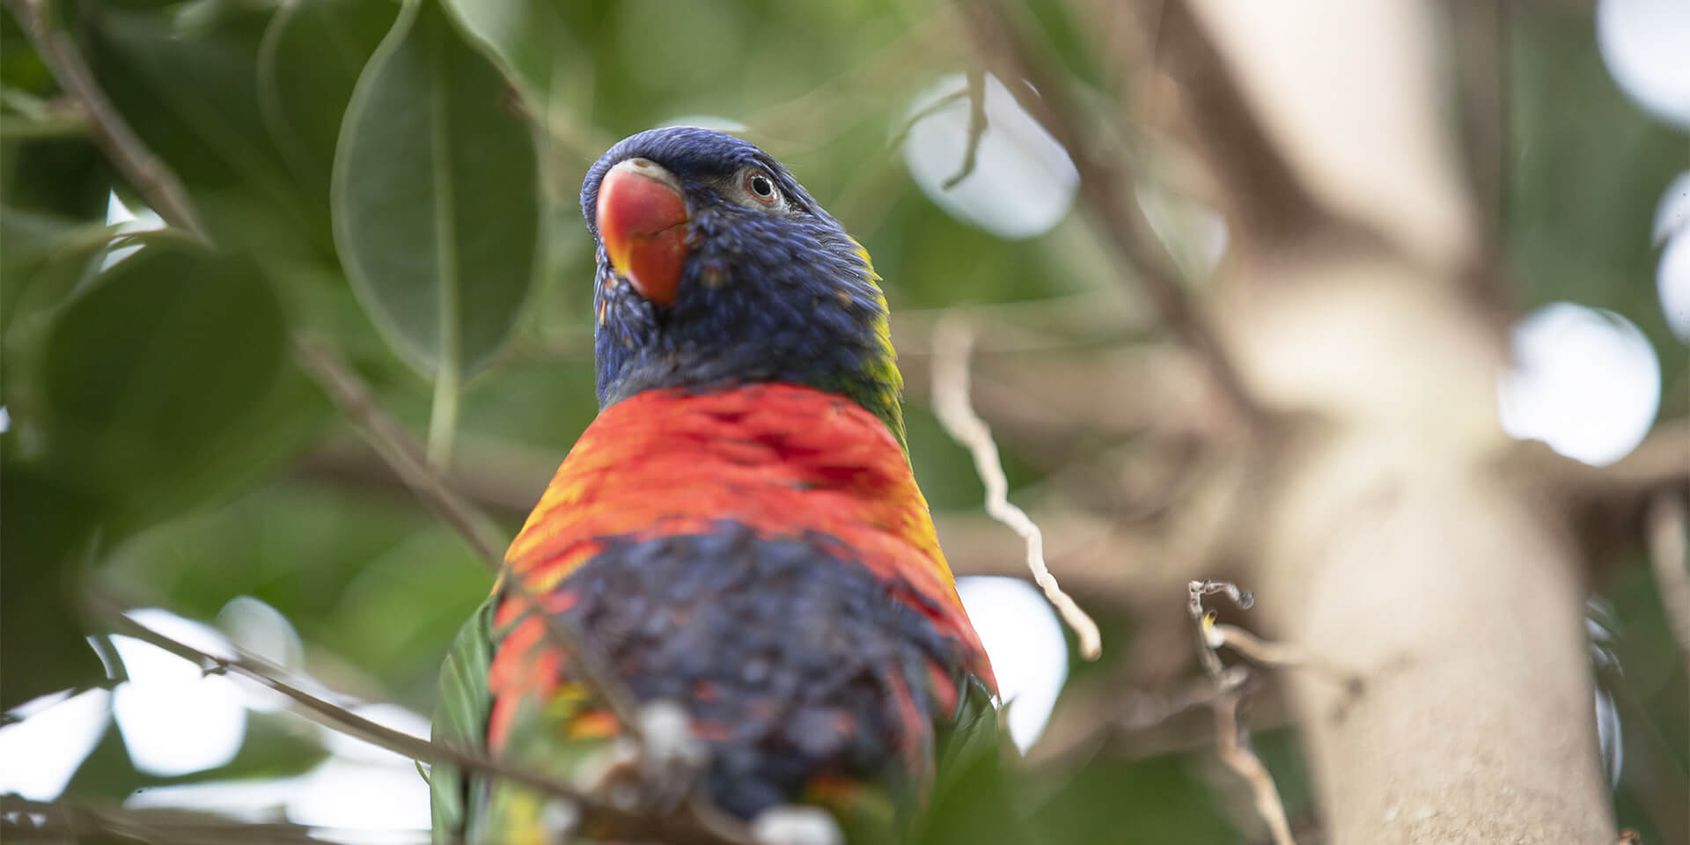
x=351 y=796
x=39 y=754
x=1023 y=182
x=1672 y=215
x=1584 y=381
x=259 y=629
x=1672 y=275
x=1024 y=639
x=1672 y=282
x=174 y=718
x=1646 y=46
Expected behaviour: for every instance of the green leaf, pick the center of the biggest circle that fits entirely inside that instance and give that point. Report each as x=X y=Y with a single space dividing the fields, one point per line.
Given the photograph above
x=167 y=382
x=436 y=205
x=308 y=63
x=526 y=37
x=190 y=93
x=63 y=176
x=436 y=202
x=46 y=527
x=44 y=256
x=460 y=718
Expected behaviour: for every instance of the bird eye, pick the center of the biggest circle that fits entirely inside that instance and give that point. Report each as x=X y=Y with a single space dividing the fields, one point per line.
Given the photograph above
x=761 y=188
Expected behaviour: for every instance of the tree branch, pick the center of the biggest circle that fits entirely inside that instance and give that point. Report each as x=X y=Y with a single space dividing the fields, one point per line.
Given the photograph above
x=78 y=820
x=976 y=128
x=1668 y=524
x=1267 y=200
x=1232 y=739
x=1103 y=179
x=405 y=457
x=595 y=813
x=397 y=449
x=150 y=176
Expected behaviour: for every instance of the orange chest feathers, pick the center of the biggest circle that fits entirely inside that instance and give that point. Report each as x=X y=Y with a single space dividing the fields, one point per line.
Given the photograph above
x=787 y=461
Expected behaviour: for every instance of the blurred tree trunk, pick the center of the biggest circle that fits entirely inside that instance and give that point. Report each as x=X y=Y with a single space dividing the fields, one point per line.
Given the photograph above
x=1402 y=546
x=1394 y=537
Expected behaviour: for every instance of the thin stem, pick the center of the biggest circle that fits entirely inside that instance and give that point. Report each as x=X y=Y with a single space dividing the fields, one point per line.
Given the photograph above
x=443 y=417
x=952 y=342
x=1233 y=745
x=77 y=820
x=1000 y=42
x=146 y=172
x=404 y=457
x=443 y=421
x=1232 y=739
x=397 y=449
x=596 y=814
x=976 y=128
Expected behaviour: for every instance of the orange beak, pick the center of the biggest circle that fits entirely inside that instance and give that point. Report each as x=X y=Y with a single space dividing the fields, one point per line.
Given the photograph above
x=642 y=222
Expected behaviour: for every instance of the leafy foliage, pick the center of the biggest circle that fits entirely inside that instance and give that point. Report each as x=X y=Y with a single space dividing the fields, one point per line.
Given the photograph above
x=399 y=180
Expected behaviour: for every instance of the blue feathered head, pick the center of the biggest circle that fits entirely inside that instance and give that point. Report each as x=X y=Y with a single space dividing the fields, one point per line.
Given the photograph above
x=716 y=268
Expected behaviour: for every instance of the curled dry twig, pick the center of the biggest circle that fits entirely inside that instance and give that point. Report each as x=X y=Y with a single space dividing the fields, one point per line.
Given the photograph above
x=1232 y=740
x=952 y=341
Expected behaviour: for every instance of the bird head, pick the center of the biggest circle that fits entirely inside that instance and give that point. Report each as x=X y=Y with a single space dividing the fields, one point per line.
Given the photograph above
x=716 y=268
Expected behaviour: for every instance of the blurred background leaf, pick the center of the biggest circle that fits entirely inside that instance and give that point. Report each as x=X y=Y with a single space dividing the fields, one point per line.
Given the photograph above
x=436 y=203
x=167 y=383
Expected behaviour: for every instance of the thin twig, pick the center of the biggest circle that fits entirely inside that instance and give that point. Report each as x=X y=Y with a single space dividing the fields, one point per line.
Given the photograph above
x=396 y=447
x=816 y=115
x=1668 y=523
x=595 y=814
x=405 y=457
x=76 y=820
x=976 y=128
x=922 y=114
x=150 y=176
x=1232 y=740
x=1267 y=200
x=1480 y=39
x=1205 y=619
x=952 y=341
x=1232 y=743
x=1142 y=710
x=1103 y=180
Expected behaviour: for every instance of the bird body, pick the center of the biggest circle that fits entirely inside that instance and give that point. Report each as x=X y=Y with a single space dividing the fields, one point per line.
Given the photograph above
x=738 y=533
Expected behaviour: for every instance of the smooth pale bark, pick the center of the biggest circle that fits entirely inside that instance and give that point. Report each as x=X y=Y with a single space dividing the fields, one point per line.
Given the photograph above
x=1397 y=545
x=1393 y=537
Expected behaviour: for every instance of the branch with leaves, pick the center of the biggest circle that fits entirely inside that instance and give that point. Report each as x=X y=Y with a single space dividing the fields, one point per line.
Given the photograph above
x=684 y=826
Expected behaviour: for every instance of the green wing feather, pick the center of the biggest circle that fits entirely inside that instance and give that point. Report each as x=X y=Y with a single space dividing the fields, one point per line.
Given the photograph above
x=974 y=800
x=460 y=721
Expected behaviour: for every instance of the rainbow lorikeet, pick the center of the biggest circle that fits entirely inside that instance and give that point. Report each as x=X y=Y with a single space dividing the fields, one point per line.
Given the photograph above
x=737 y=533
